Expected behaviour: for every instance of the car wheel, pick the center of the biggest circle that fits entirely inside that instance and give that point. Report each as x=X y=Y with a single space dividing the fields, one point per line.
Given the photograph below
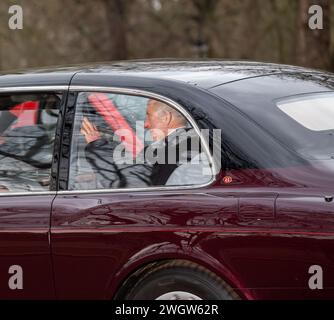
x=180 y=280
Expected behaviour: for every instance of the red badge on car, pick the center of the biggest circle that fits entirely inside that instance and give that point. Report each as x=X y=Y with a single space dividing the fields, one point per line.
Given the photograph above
x=227 y=179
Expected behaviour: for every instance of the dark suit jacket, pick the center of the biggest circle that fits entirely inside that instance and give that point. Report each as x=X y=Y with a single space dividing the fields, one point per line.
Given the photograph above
x=160 y=160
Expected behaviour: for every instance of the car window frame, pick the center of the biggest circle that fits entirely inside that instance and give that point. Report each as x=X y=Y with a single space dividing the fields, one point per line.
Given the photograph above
x=68 y=125
x=58 y=133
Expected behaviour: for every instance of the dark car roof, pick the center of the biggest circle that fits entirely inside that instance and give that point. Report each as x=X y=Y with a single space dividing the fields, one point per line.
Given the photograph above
x=258 y=95
x=204 y=73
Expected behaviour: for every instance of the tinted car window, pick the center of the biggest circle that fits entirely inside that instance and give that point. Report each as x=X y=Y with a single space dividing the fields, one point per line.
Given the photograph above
x=27 y=130
x=313 y=130
x=116 y=143
x=269 y=136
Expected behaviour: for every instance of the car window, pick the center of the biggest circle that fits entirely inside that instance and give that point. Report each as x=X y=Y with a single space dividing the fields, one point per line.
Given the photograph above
x=127 y=141
x=314 y=112
x=27 y=131
x=312 y=124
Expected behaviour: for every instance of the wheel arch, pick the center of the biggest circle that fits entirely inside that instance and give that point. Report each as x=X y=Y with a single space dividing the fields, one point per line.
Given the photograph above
x=133 y=271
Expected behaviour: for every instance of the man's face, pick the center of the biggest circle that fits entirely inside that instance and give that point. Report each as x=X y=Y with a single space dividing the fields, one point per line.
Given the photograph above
x=156 y=122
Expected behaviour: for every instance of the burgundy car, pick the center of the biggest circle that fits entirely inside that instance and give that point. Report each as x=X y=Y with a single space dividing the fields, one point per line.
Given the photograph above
x=251 y=218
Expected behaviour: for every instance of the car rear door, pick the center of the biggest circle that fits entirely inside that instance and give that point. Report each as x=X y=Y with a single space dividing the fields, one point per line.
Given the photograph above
x=108 y=220
x=29 y=124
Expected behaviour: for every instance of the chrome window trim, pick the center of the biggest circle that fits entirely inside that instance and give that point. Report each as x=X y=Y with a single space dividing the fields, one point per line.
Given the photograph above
x=32 y=193
x=170 y=102
x=30 y=89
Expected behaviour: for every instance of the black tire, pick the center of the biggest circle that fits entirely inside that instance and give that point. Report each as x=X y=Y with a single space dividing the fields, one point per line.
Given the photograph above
x=182 y=276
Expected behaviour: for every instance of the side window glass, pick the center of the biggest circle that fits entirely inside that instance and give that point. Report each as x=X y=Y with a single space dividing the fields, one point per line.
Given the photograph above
x=128 y=141
x=27 y=130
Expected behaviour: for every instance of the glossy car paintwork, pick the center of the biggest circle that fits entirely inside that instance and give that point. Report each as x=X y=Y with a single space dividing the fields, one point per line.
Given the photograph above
x=261 y=232
x=24 y=241
x=148 y=225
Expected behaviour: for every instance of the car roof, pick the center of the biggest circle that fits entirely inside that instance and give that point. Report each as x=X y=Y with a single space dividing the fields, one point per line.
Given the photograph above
x=205 y=74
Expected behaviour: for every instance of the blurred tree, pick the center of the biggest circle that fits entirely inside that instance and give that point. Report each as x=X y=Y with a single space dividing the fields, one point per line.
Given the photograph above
x=203 y=16
x=117 y=11
x=58 y=32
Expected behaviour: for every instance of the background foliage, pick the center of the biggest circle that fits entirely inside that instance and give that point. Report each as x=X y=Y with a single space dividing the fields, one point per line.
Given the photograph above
x=60 y=32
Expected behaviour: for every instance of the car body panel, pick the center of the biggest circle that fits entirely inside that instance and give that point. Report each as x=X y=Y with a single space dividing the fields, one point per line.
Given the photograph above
x=24 y=241
x=157 y=224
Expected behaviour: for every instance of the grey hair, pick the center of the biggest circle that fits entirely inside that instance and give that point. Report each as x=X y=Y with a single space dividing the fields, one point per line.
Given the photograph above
x=163 y=107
